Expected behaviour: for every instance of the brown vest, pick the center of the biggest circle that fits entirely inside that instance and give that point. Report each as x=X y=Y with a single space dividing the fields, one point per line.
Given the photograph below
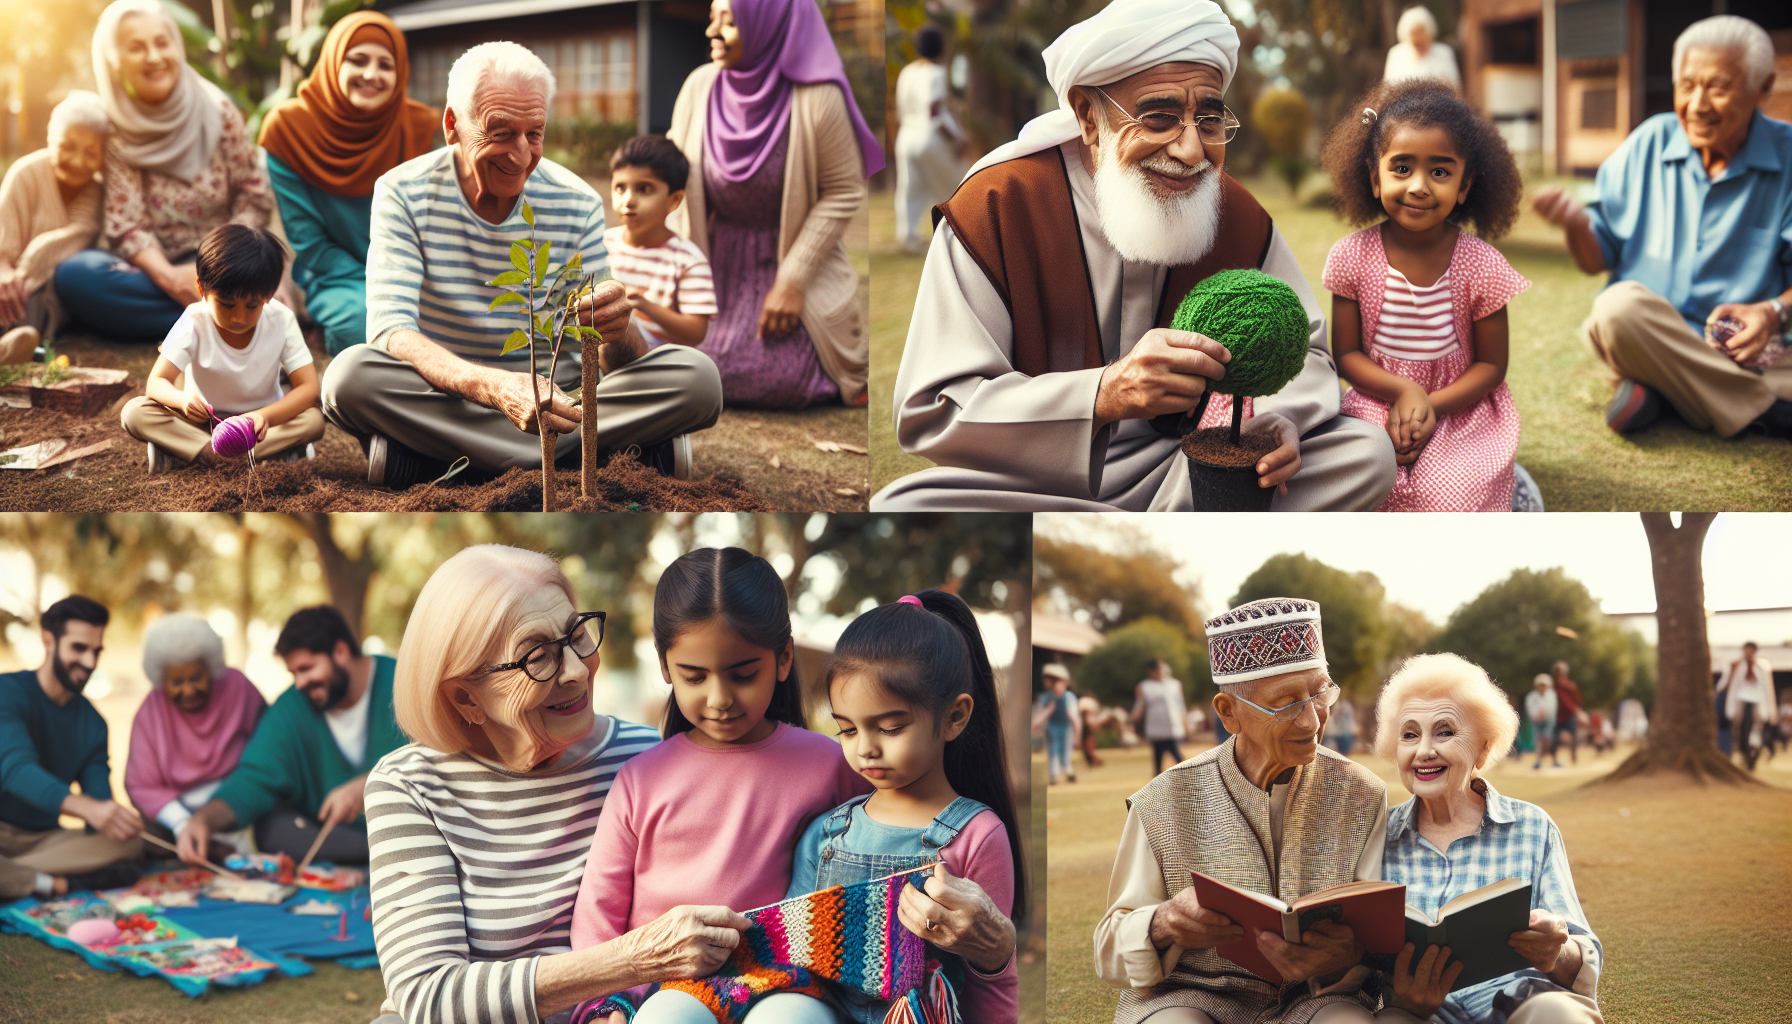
x=1017 y=220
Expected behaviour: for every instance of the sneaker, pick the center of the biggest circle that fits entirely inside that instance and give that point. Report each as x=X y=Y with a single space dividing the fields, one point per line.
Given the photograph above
x=1634 y=406
x=671 y=457
x=1776 y=421
x=296 y=455
x=159 y=459
x=394 y=467
x=1525 y=495
x=19 y=345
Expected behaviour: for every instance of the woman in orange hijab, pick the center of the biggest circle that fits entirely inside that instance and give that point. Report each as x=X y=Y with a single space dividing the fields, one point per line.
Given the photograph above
x=350 y=123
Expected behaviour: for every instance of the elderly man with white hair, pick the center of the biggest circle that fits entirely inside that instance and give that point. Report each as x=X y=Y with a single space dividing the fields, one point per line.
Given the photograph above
x=1038 y=354
x=430 y=385
x=49 y=210
x=1269 y=810
x=1694 y=221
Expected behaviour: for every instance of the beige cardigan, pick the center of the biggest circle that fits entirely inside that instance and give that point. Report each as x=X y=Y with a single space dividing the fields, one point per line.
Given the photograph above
x=36 y=231
x=824 y=189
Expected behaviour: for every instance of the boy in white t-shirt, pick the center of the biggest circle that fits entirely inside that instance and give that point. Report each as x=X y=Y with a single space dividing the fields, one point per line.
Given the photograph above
x=666 y=278
x=232 y=345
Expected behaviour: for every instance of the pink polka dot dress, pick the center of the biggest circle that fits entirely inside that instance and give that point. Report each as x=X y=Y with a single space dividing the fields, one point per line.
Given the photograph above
x=1467 y=464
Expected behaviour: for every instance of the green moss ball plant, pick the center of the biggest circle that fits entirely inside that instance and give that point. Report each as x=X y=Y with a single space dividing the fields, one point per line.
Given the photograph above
x=1260 y=321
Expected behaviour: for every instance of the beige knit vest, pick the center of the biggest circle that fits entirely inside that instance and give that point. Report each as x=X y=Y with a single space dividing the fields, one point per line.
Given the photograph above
x=1204 y=815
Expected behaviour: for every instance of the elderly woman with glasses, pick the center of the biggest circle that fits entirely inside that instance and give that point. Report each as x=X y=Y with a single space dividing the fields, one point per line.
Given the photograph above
x=1268 y=810
x=1445 y=725
x=479 y=828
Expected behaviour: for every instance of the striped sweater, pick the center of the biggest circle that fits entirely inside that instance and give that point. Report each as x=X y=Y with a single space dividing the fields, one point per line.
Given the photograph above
x=430 y=254
x=475 y=870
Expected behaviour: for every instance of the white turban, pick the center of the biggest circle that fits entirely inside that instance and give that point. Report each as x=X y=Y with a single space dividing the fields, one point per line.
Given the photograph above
x=1125 y=38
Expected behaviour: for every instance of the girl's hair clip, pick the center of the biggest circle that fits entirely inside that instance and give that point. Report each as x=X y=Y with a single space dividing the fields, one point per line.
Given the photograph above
x=1370 y=116
x=910 y=599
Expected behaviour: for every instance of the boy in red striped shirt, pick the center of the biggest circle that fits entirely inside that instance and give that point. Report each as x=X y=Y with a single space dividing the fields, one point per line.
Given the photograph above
x=667 y=278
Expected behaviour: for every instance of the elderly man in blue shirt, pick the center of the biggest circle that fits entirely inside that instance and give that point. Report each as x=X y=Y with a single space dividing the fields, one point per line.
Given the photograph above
x=1694 y=220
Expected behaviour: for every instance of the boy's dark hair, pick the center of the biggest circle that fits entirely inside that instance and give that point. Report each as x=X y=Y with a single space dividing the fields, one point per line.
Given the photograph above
x=930 y=42
x=659 y=155
x=1354 y=148
x=927 y=656
x=73 y=608
x=744 y=591
x=240 y=262
x=318 y=630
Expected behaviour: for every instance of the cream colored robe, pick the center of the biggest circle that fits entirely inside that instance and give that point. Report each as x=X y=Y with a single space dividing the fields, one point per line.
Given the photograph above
x=824 y=189
x=37 y=232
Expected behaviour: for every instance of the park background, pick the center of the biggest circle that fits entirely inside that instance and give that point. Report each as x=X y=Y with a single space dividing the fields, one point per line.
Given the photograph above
x=245 y=574
x=1680 y=877
x=618 y=64
x=1563 y=80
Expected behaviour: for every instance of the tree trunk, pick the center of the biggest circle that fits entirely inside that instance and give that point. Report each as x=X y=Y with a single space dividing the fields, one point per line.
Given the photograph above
x=549 y=501
x=1683 y=722
x=346 y=577
x=588 y=355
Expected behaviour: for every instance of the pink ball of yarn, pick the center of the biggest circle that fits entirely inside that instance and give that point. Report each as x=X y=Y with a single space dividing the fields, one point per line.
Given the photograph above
x=92 y=931
x=234 y=436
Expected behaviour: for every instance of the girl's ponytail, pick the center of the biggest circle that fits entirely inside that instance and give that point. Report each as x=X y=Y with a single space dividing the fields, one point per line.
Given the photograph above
x=926 y=649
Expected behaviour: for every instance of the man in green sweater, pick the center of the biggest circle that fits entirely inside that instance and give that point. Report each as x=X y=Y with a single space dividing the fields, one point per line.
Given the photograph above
x=51 y=737
x=306 y=766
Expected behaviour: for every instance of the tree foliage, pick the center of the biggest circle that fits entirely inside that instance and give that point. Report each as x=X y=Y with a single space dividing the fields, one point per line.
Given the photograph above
x=1513 y=629
x=1110 y=671
x=1123 y=581
x=1365 y=635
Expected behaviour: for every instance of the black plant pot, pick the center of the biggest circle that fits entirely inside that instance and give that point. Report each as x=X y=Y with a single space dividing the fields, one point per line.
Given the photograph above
x=1227 y=488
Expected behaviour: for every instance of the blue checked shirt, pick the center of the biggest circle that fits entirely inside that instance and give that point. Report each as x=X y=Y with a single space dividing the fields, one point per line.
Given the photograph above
x=1516 y=840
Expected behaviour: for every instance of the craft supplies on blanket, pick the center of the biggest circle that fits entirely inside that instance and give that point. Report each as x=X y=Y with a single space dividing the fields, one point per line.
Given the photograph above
x=849 y=935
x=253 y=890
x=141 y=943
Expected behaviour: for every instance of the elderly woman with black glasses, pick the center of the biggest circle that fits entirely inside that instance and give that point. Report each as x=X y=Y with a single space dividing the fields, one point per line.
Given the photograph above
x=479 y=828
x=1268 y=810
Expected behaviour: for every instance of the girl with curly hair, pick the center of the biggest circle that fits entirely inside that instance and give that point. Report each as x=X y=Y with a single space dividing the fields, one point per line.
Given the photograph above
x=1418 y=305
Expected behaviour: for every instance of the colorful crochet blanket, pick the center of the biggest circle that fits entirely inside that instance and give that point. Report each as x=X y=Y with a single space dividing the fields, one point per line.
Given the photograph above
x=849 y=934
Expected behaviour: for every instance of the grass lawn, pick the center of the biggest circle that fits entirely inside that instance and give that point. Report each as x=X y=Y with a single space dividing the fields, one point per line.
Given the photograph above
x=1560 y=387
x=1680 y=883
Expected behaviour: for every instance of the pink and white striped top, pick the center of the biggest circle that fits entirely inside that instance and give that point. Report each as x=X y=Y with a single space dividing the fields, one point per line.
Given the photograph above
x=676 y=275
x=1416 y=323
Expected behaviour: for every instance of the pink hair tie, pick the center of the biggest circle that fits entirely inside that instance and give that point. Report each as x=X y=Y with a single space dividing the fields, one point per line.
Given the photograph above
x=910 y=599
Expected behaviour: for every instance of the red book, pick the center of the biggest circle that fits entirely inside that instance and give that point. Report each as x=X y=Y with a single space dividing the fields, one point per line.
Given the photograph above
x=1375 y=911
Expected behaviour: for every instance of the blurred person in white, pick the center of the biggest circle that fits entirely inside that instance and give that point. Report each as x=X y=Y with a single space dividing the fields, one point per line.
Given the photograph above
x=1418 y=54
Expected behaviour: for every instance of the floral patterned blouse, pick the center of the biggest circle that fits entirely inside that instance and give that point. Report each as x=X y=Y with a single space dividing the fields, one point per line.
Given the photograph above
x=148 y=208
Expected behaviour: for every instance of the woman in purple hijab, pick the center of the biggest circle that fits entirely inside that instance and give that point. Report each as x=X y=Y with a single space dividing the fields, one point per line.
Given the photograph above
x=779 y=158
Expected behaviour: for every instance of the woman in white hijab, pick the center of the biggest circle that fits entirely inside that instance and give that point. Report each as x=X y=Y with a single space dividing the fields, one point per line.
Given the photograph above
x=179 y=163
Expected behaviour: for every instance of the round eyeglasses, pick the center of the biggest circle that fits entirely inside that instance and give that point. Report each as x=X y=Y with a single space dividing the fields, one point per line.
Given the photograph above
x=1160 y=127
x=542 y=662
x=1323 y=699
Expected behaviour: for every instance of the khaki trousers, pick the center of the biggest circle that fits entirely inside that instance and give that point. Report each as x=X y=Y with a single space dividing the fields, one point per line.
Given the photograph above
x=1544 y=1008
x=1640 y=335
x=1336 y=1013
x=170 y=430
x=60 y=851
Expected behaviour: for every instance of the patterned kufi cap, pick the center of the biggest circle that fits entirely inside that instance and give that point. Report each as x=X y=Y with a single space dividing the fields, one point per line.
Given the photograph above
x=1265 y=638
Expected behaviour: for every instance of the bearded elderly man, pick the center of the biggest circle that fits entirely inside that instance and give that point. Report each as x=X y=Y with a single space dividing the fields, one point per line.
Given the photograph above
x=1038 y=354
x=430 y=385
x=1268 y=810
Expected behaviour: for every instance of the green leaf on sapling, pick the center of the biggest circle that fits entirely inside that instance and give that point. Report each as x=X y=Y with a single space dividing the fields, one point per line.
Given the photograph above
x=541 y=261
x=519 y=256
x=507 y=278
x=507 y=297
x=518 y=338
x=528 y=214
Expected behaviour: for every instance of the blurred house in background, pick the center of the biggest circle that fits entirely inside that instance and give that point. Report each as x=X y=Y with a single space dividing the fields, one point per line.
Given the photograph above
x=1567 y=81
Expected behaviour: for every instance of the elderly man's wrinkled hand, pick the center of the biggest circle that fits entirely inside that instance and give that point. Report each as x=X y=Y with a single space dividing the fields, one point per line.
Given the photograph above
x=956 y=915
x=686 y=942
x=1182 y=921
x=1420 y=989
x=1554 y=204
x=1166 y=372
x=513 y=395
x=1542 y=942
x=1329 y=947
x=1276 y=468
x=606 y=308
x=1759 y=326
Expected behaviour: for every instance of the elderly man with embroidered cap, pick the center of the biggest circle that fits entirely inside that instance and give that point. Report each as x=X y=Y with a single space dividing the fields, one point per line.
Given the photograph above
x=1268 y=810
x=1031 y=376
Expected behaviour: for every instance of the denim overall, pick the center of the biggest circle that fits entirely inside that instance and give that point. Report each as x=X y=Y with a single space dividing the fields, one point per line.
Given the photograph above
x=838 y=866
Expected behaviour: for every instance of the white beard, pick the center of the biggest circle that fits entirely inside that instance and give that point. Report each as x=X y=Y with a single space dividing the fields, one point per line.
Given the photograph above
x=1145 y=227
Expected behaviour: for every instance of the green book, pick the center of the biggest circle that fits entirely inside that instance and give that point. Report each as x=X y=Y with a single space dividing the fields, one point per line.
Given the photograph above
x=1476 y=926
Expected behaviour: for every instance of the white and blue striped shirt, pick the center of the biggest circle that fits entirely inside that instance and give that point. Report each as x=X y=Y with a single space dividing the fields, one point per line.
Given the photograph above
x=431 y=255
x=1515 y=840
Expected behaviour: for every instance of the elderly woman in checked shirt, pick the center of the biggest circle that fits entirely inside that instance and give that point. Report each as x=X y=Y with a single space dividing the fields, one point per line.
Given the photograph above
x=1445 y=724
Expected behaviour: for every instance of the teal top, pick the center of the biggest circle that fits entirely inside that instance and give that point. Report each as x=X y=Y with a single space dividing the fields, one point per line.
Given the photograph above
x=293 y=760
x=44 y=746
x=328 y=233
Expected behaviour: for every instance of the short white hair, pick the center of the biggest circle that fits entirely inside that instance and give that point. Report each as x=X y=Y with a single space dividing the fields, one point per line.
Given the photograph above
x=1729 y=32
x=176 y=640
x=1415 y=16
x=499 y=61
x=79 y=109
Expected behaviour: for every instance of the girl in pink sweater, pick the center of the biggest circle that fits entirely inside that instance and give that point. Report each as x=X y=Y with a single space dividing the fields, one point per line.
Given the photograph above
x=711 y=815
x=912 y=693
